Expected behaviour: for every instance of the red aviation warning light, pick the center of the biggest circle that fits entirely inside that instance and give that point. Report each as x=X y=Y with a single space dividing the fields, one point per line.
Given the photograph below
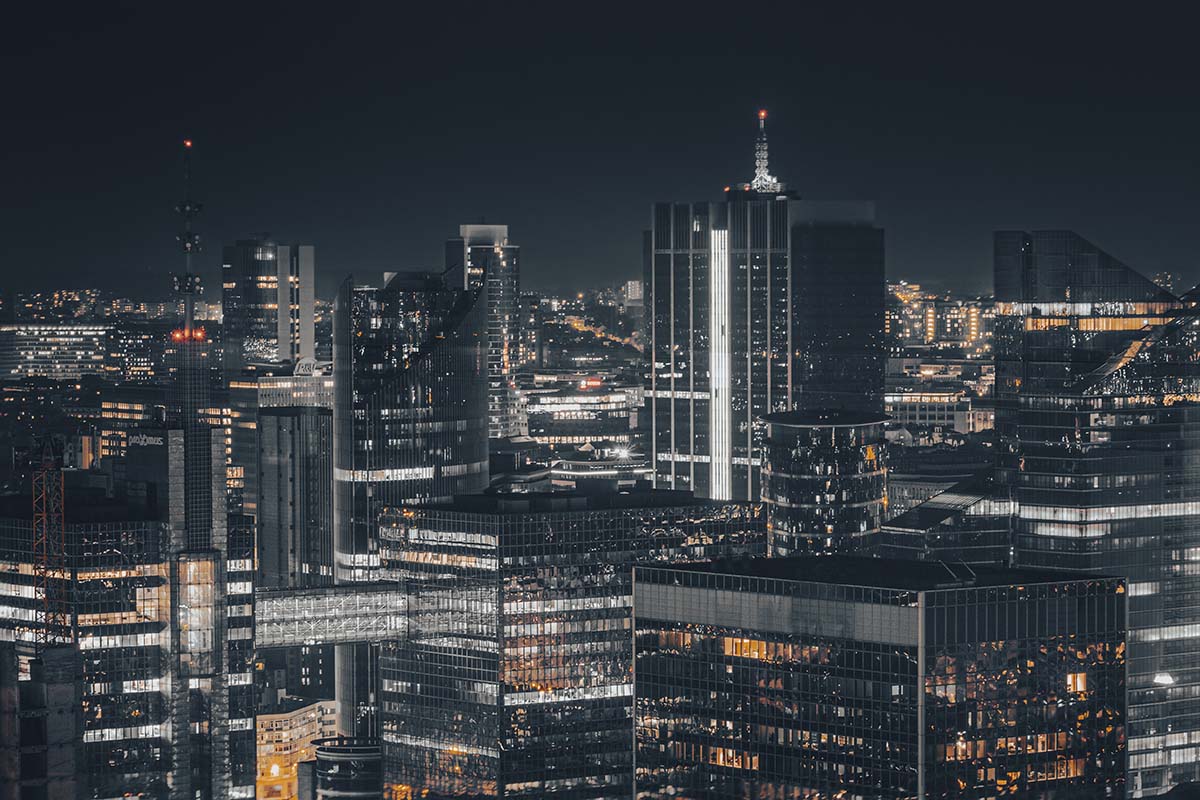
x=188 y=142
x=762 y=114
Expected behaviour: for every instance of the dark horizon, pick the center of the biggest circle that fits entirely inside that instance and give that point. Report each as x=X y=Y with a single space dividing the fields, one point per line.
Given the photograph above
x=373 y=134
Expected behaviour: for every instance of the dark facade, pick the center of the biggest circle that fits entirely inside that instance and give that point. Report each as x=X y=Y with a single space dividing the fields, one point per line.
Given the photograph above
x=869 y=678
x=267 y=302
x=969 y=522
x=190 y=401
x=295 y=528
x=344 y=769
x=1098 y=440
x=410 y=405
x=410 y=426
x=516 y=679
x=41 y=725
x=295 y=507
x=304 y=384
x=824 y=481
x=757 y=304
x=838 y=294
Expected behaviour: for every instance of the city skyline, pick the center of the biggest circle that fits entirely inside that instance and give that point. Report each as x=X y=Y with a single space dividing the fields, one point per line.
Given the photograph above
x=796 y=499
x=347 y=143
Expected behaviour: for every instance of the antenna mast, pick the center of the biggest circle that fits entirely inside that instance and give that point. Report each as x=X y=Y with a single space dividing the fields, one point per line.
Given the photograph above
x=763 y=180
x=188 y=284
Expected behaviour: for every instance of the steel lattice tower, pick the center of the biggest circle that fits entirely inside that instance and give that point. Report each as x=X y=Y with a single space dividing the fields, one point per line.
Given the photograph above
x=49 y=548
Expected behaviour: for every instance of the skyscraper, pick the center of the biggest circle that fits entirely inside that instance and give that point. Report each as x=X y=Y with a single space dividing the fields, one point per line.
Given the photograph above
x=410 y=425
x=824 y=481
x=295 y=506
x=1098 y=446
x=481 y=257
x=758 y=303
x=212 y=558
x=869 y=678
x=268 y=303
x=516 y=677
x=303 y=384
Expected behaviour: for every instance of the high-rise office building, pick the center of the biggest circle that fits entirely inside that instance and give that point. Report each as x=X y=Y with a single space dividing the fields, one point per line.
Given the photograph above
x=305 y=384
x=865 y=678
x=516 y=677
x=212 y=558
x=136 y=352
x=61 y=351
x=824 y=481
x=295 y=531
x=116 y=585
x=410 y=426
x=295 y=497
x=484 y=258
x=268 y=303
x=758 y=303
x=1098 y=447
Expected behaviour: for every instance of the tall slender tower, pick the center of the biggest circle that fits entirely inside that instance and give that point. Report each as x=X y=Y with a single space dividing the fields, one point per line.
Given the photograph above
x=758 y=304
x=482 y=258
x=212 y=716
x=191 y=392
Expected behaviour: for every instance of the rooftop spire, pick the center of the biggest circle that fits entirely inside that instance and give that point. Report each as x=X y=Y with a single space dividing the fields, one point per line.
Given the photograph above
x=763 y=180
x=188 y=284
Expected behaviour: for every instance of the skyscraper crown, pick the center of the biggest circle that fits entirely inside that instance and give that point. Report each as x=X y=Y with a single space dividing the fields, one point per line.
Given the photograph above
x=763 y=181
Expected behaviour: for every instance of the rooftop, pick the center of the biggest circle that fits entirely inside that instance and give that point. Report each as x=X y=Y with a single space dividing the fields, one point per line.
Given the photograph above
x=825 y=418
x=882 y=573
x=578 y=500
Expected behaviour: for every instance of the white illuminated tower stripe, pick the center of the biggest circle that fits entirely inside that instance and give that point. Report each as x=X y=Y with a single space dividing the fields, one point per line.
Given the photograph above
x=721 y=412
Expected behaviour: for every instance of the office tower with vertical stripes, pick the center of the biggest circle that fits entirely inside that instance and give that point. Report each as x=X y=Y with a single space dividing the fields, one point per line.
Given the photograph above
x=759 y=303
x=268 y=303
x=482 y=258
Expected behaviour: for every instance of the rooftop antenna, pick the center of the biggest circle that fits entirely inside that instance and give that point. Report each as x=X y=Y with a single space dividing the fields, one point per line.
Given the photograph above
x=763 y=181
x=188 y=284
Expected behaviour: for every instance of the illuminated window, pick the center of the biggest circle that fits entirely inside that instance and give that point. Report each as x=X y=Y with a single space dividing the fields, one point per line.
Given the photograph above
x=1077 y=682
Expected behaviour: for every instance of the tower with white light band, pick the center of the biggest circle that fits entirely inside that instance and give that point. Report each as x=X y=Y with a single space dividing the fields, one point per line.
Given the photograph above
x=759 y=303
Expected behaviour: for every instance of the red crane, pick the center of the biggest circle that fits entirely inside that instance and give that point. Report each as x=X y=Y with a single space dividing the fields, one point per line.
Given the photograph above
x=49 y=549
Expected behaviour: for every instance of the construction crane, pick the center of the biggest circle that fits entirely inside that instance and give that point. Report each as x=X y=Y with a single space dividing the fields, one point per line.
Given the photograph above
x=49 y=548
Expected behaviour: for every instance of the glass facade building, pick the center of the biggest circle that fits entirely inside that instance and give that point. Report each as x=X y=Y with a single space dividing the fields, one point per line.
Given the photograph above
x=304 y=384
x=869 y=678
x=824 y=481
x=757 y=304
x=410 y=405
x=1098 y=440
x=117 y=587
x=165 y=626
x=968 y=522
x=485 y=259
x=565 y=417
x=410 y=426
x=267 y=301
x=516 y=679
x=295 y=506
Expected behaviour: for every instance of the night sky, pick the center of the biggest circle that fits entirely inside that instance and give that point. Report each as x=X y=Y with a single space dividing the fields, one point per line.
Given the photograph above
x=373 y=133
